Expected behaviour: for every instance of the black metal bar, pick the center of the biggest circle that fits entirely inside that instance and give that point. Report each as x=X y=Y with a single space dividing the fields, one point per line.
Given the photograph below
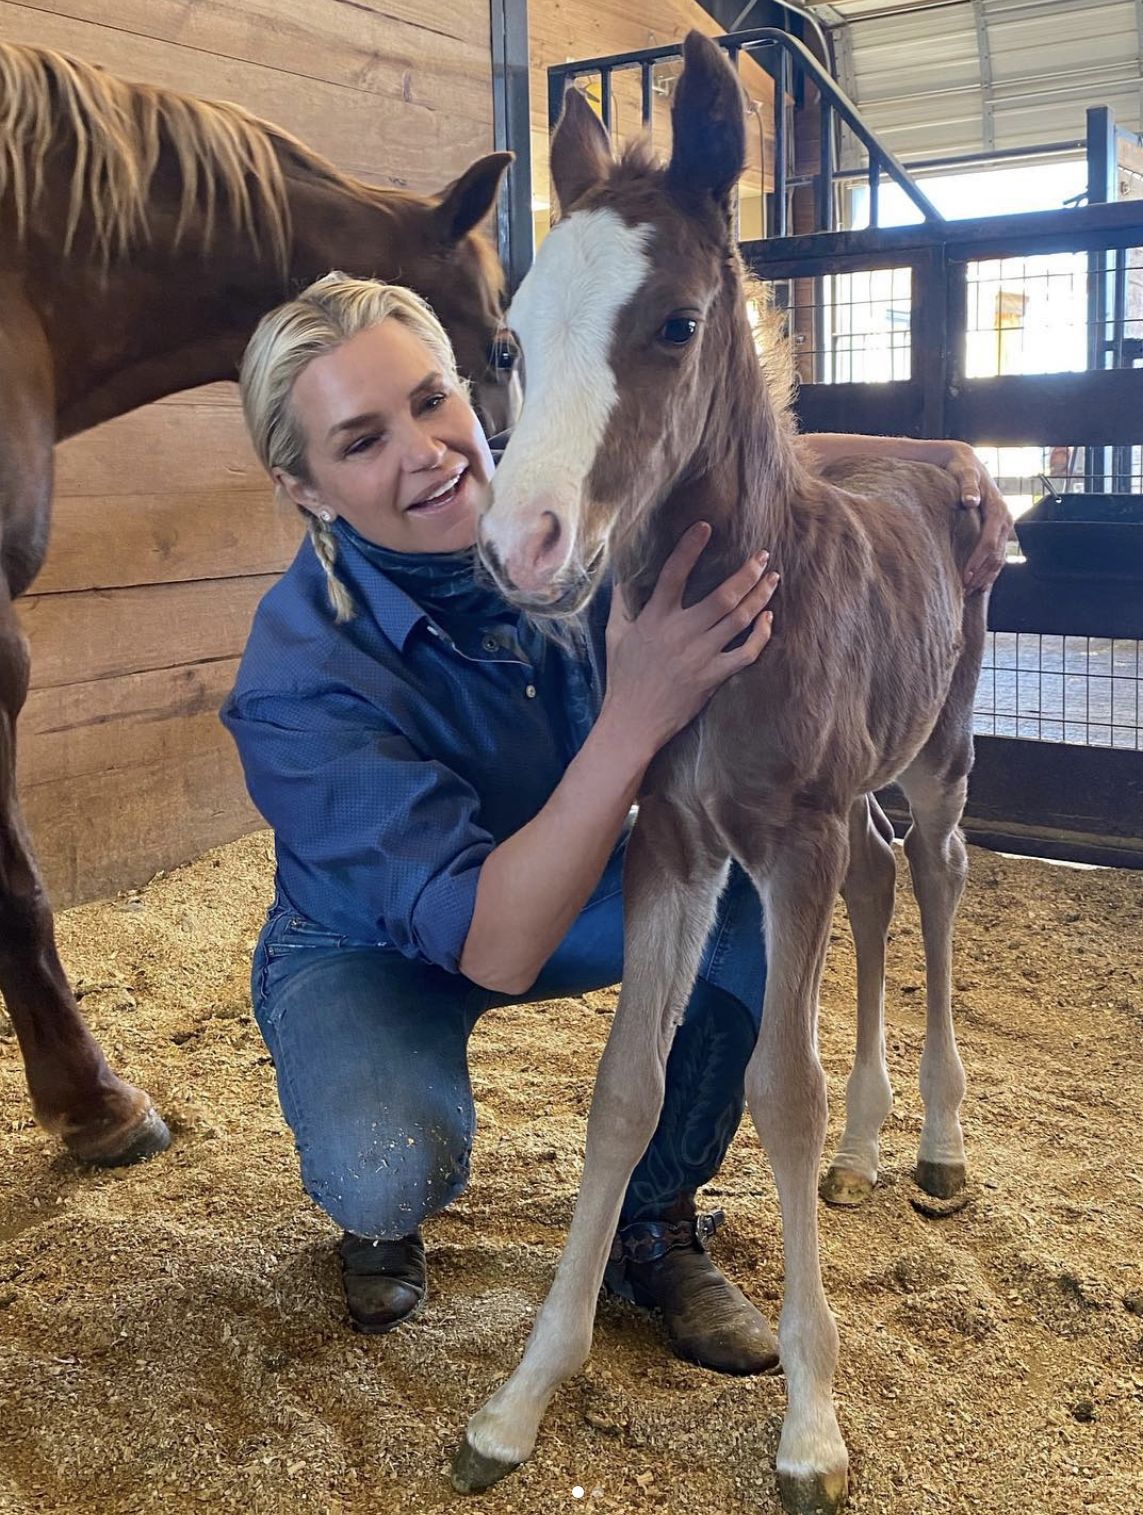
x=1031 y=233
x=875 y=410
x=1102 y=166
x=511 y=132
x=956 y=335
x=1102 y=187
x=1121 y=455
x=605 y=97
x=647 y=76
x=874 y=192
x=929 y=327
x=973 y=160
x=558 y=80
x=825 y=164
x=1099 y=409
x=780 y=150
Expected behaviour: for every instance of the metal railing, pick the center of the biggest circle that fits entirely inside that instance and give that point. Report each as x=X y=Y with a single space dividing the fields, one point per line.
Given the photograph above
x=791 y=64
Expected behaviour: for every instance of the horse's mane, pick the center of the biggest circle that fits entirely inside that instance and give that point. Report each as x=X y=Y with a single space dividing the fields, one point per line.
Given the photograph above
x=114 y=131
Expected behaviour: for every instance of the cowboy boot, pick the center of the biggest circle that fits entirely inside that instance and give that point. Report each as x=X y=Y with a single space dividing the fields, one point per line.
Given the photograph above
x=385 y=1282
x=664 y=1265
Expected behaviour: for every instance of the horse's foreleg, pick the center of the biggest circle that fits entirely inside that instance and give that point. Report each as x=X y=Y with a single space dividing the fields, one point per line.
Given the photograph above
x=75 y=1095
x=870 y=884
x=938 y=861
x=672 y=880
x=786 y=1090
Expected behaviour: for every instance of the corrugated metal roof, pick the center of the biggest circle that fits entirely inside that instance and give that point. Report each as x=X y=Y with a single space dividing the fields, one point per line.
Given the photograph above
x=942 y=77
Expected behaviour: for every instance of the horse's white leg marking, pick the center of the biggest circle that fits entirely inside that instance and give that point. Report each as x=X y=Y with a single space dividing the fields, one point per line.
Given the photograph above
x=939 y=864
x=667 y=919
x=564 y=316
x=786 y=1090
x=869 y=887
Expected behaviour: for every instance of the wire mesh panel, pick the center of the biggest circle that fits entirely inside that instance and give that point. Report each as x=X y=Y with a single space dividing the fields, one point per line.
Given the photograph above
x=1084 y=691
x=1055 y=313
x=850 y=327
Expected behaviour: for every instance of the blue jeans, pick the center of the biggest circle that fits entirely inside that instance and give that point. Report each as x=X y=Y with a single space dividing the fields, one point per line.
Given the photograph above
x=370 y=1050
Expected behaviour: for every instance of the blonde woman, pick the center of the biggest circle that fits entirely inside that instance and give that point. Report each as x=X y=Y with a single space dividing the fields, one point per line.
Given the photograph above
x=449 y=791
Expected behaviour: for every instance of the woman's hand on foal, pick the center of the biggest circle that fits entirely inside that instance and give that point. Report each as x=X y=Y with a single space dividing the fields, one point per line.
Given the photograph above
x=664 y=664
x=979 y=491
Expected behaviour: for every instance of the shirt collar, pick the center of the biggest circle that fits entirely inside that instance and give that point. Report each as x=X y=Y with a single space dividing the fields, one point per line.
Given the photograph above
x=392 y=583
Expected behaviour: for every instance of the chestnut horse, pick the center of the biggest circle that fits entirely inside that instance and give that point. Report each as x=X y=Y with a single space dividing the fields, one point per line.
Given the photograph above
x=142 y=235
x=634 y=319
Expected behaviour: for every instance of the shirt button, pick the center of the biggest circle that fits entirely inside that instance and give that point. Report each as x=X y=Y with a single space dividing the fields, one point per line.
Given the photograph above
x=530 y=691
x=490 y=644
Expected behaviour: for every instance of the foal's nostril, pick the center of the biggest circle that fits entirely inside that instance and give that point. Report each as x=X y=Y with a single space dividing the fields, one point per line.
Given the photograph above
x=550 y=539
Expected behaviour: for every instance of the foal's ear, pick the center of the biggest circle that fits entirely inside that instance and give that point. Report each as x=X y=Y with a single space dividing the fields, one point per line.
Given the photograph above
x=708 y=122
x=581 y=151
x=466 y=202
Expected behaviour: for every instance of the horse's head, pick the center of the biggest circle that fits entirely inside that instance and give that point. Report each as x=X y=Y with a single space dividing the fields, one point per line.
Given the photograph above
x=460 y=276
x=623 y=322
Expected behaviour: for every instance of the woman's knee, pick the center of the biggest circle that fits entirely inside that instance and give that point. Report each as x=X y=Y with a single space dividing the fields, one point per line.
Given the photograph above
x=383 y=1177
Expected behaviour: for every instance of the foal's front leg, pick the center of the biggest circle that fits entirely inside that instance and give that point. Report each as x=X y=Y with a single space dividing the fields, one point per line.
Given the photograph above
x=672 y=880
x=786 y=1090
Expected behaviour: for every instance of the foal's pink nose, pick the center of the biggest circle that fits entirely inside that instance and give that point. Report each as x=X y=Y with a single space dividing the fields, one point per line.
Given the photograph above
x=537 y=559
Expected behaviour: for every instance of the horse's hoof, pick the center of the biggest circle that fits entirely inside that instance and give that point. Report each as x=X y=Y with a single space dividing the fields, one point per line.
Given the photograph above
x=813 y=1493
x=845 y=1188
x=472 y=1471
x=145 y=1140
x=941 y=1180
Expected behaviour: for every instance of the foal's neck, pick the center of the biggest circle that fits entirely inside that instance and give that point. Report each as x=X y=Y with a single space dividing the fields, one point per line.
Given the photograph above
x=742 y=478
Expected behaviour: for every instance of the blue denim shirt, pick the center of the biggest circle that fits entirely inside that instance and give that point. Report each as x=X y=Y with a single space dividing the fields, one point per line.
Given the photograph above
x=391 y=753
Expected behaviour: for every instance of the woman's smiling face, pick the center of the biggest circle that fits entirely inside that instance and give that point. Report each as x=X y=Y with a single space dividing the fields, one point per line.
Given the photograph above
x=392 y=445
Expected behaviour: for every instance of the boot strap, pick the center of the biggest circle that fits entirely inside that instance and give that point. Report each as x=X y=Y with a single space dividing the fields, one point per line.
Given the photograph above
x=649 y=1240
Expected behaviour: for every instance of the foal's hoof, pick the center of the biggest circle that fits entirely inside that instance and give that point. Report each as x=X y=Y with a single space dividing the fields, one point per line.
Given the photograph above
x=813 y=1493
x=147 y=1139
x=845 y=1188
x=941 y=1180
x=473 y=1471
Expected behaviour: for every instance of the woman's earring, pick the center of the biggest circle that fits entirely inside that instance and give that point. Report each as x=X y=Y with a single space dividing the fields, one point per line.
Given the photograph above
x=325 y=515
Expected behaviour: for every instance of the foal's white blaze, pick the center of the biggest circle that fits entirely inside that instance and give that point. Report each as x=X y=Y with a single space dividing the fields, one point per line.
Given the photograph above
x=564 y=316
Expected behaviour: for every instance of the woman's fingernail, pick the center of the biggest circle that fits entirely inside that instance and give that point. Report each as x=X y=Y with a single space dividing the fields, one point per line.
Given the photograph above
x=763 y=557
x=772 y=578
x=972 y=499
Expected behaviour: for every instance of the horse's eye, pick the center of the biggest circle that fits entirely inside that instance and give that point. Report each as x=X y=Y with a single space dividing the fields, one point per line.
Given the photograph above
x=678 y=330
x=502 y=354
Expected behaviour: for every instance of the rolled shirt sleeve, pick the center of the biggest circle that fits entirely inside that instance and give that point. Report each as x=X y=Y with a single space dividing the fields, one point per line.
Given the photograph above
x=373 y=826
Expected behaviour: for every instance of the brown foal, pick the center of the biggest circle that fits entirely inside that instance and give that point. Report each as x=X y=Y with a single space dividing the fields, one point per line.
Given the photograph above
x=635 y=319
x=142 y=235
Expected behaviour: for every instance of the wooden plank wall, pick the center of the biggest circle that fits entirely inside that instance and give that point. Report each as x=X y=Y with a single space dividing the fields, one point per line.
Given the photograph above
x=563 y=31
x=165 y=534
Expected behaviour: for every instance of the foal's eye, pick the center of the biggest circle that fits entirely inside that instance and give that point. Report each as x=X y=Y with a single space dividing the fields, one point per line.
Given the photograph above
x=677 y=331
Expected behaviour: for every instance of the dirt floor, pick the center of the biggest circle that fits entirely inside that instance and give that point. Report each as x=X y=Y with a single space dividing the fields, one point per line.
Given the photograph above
x=171 y=1337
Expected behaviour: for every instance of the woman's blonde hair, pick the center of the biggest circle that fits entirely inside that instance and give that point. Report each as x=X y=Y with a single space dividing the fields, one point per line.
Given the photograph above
x=333 y=309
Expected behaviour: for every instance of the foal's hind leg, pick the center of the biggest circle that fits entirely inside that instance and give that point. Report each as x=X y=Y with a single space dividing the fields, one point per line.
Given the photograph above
x=672 y=879
x=868 y=891
x=786 y=1090
x=939 y=863
x=74 y=1093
